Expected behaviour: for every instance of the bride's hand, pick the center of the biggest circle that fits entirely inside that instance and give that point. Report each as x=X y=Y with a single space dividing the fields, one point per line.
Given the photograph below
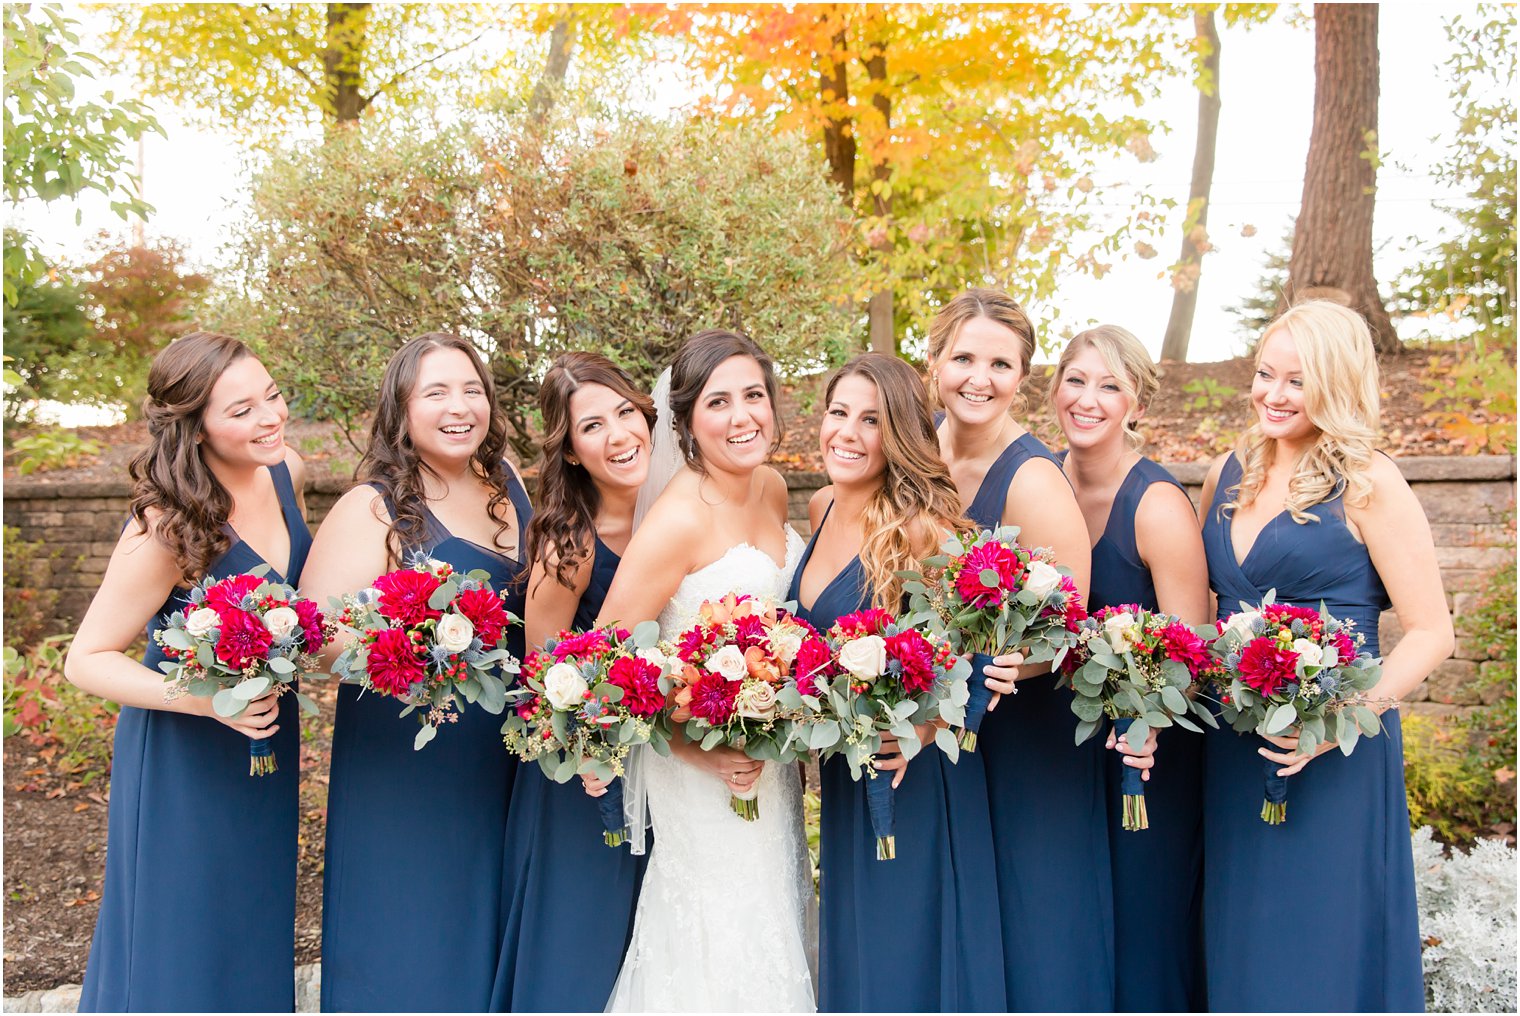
x=730 y=765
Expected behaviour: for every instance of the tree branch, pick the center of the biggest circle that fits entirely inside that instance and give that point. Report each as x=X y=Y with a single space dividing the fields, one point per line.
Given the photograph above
x=394 y=78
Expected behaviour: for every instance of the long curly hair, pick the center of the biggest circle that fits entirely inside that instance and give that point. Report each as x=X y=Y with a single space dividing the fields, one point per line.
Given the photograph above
x=1340 y=378
x=916 y=483
x=693 y=365
x=993 y=305
x=170 y=477
x=1127 y=360
x=564 y=520
x=392 y=464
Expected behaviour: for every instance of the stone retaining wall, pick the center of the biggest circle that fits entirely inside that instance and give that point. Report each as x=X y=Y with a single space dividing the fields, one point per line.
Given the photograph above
x=1466 y=499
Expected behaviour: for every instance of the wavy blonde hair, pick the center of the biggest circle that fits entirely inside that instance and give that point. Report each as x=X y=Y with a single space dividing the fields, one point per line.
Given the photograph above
x=994 y=305
x=1340 y=378
x=1126 y=359
x=915 y=486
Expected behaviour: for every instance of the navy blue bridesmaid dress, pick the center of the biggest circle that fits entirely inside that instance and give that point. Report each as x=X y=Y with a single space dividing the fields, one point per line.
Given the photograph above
x=1158 y=872
x=1346 y=839
x=1049 y=822
x=412 y=917
x=919 y=933
x=182 y=928
x=563 y=887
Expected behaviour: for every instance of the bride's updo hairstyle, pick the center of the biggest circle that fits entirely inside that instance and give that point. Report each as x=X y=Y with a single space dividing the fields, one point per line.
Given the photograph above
x=170 y=478
x=1340 y=378
x=915 y=486
x=564 y=521
x=391 y=462
x=694 y=365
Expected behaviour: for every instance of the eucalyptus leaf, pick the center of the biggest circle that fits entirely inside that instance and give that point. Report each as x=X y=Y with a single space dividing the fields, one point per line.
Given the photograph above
x=1281 y=718
x=225 y=703
x=426 y=734
x=251 y=688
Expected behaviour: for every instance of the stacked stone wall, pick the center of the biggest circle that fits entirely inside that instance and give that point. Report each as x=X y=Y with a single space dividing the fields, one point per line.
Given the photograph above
x=1468 y=502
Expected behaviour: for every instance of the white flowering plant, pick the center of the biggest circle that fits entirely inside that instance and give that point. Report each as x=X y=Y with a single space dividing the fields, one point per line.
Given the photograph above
x=237 y=639
x=431 y=638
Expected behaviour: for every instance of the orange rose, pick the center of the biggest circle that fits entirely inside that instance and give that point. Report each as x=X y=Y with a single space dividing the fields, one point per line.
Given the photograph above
x=760 y=666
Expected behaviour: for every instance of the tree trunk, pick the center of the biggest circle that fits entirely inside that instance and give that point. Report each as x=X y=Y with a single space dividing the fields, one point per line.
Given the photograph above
x=879 y=311
x=839 y=130
x=1179 y=327
x=343 y=61
x=561 y=45
x=1332 y=244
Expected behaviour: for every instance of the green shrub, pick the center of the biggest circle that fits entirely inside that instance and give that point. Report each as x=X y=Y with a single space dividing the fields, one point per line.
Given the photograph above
x=70 y=727
x=52 y=449
x=29 y=596
x=624 y=239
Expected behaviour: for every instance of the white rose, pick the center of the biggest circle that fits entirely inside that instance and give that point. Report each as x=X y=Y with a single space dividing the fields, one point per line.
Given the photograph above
x=1042 y=579
x=455 y=632
x=1310 y=652
x=785 y=643
x=281 y=621
x=564 y=687
x=1241 y=623
x=865 y=658
x=756 y=701
x=201 y=621
x=653 y=655
x=1119 y=632
x=728 y=661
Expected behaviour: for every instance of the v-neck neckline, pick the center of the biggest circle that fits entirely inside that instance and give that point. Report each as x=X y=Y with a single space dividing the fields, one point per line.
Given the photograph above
x=290 y=554
x=802 y=566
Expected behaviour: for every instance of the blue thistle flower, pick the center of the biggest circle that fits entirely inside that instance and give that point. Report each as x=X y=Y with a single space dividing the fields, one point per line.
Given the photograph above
x=1232 y=661
x=1258 y=625
x=1329 y=681
x=467 y=584
x=197 y=595
x=249 y=602
x=438 y=655
x=1298 y=629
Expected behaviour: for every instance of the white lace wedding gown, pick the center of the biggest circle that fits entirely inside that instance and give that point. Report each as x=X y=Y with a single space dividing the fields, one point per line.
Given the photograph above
x=724 y=915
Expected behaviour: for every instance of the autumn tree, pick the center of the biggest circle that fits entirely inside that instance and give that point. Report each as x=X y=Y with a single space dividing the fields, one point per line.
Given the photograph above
x=1332 y=244
x=960 y=138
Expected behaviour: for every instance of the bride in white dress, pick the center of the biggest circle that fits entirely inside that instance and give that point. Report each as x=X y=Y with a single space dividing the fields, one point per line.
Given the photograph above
x=722 y=920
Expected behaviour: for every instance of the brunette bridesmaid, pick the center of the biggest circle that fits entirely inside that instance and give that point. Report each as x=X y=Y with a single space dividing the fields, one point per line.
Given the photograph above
x=183 y=925
x=412 y=916
x=1146 y=554
x=889 y=504
x=1306 y=506
x=1048 y=800
x=562 y=883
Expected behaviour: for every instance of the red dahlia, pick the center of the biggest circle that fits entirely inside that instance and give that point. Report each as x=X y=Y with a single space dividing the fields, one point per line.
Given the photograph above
x=484 y=611
x=712 y=698
x=393 y=665
x=640 y=681
x=244 y=639
x=1006 y=565
x=916 y=654
x=1266 y=668
x=404 y=596
x=230 y=592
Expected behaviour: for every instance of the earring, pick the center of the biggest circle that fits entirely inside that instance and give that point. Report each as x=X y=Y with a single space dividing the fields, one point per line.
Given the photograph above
x=572 y=461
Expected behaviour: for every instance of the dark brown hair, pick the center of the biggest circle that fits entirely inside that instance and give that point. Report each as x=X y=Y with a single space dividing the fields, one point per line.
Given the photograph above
x=916 y=483
x=693 y=366
x=170 y=477
x=391 y=462
x=564 y=520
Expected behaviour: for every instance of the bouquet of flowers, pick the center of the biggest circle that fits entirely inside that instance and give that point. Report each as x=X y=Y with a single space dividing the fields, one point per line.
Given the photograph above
x=1288 y=666
x=735 y=685
x=992 y=594
x=240 y=637
x=884 y=678
x=589 y=699
x=1137 y=667
x=428 y=637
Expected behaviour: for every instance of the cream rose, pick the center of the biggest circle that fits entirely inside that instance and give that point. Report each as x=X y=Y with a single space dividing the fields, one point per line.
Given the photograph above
x=281 y=621
x=201 y=621
x=1241 y=623
x=455 y=632
x=728 y=661
x=1310 y=653
x=564 y=687
x=785 y=643
x=1119 y=632
x=653 y=655
x=865 y=658
x=1042 y=579
x=756 y=701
